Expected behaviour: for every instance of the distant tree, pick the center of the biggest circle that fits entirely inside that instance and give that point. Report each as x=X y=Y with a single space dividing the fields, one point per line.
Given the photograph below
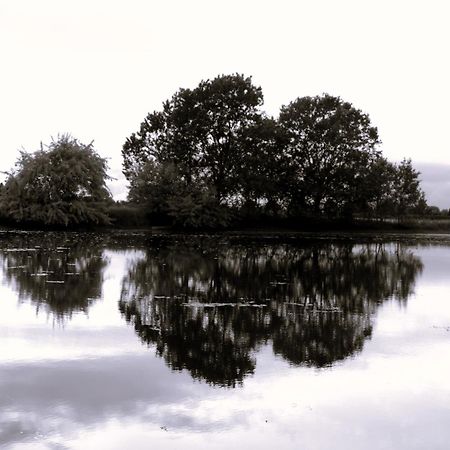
x=393 y=189
x=199 y=131
x=407 y=195
x=331 y=145
x=435 y=211
x=60 y=185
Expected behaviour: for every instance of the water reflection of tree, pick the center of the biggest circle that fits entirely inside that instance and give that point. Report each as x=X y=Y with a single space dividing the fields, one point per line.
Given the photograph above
x=209 y=309
x=57 y=274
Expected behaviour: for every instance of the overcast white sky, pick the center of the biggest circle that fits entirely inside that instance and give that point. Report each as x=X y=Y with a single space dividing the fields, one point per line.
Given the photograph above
x=95 y=68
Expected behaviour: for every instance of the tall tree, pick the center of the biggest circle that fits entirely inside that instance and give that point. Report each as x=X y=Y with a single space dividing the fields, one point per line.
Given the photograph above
x=199 y=131
x=330 y=145
x=63 y=184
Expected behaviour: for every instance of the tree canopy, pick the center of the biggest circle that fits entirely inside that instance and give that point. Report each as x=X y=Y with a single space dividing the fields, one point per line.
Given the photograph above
x=200 y=132
x=62 y=184
x=330 y=146
x=213 y=146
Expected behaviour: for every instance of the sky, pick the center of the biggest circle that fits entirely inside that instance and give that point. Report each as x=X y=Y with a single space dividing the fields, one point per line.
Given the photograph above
x=95 y=68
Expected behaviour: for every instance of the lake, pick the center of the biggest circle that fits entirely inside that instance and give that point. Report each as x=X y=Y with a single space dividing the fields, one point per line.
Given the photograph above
x=290 y=341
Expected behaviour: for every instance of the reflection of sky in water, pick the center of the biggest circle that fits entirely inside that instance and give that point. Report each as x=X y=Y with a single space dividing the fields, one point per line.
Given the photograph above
x=89 y=383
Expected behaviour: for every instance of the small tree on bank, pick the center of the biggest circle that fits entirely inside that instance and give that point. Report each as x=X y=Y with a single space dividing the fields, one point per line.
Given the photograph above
x=63 y=184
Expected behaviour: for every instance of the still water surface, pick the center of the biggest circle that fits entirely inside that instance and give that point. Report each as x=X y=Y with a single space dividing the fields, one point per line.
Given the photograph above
x=142 y=341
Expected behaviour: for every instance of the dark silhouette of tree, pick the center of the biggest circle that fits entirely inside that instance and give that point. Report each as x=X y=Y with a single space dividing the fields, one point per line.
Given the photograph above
x=331 y=144
x=208 y=308
x=61 y=185
x=161 y=190
x=407 y=196
x=263 y=181
x=198 y=130
x=211 y=157
x=393 y=190
x=378 y=189
x=198 y=134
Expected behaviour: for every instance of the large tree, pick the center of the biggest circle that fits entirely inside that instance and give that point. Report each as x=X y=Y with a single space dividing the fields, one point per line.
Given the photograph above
x=63 y=184
x=200 y=132
x=330 y=146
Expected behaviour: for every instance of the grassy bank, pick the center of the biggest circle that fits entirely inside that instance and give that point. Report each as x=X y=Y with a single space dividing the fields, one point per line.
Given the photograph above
x=126 y=216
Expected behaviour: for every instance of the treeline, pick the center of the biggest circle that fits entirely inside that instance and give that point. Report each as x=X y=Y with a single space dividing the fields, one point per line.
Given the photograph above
x=212 y=158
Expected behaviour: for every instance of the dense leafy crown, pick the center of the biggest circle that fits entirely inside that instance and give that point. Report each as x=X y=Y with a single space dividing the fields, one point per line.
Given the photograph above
x=212 y=149
x=61 y=184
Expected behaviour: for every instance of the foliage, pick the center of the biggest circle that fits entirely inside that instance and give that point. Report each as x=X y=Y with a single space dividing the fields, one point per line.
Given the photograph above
x=199 y=131
x=393 y=189
x=330 y=146
x=263 y=174
x=378 y=188
x=408 y=197
x=61 y=185
x=166 y=197
x=211 y=149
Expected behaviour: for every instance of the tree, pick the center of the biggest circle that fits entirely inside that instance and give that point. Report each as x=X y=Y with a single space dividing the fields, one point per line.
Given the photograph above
x=263 y=173
x=167 y=198
x=330 y=145
x=60 y=185
x=393 y=189
x=378 y=188
x=199 y=131
x=407 y=196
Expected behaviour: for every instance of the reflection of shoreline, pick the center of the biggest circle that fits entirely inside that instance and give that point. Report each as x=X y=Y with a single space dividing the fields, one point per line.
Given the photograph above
x=313 y=302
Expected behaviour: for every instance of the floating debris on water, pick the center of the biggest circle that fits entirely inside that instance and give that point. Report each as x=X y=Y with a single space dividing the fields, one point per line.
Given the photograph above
x=216 y=305
x=314 y=307
x=20 y=250
x=55 y=281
